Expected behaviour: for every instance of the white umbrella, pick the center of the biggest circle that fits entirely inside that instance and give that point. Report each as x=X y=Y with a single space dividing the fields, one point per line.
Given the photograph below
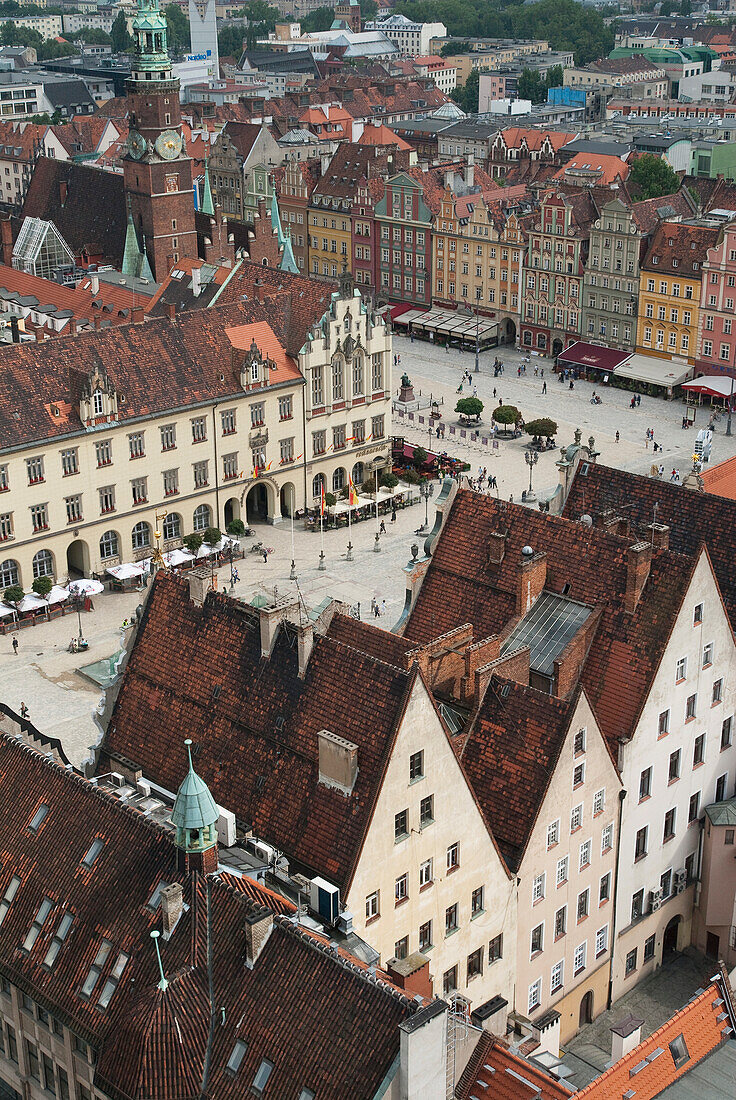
x=178 y=557
x=32 y=602
x=5 y=611
x=125 y=572
x=86 y=587
x=57 y=595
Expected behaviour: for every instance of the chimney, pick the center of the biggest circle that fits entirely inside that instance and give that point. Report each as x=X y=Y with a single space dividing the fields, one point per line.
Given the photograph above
x=97 y=321
x=259 y=289
x=258 y=928
x=470 y=171
x=423 y=1052
x=532 y=579
x=172 y=905
x=411 y=974
x=94 y=286
x=497 y=547
x=338 y=761
x=200 y=582
x=659 y=536
x=270 y=618
x=638 y=564
x=196 y=281
x=63 y=191
x=305 y=644
x=7 y=242
x=14 y=330
x=170 y=310
x=137 y=315
x=625 y=1035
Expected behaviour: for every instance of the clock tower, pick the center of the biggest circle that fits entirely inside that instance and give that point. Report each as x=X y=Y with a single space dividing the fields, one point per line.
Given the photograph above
x=157 y=170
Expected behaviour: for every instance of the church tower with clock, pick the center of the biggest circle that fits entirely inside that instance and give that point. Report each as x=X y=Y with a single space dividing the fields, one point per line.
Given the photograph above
x=157 y=170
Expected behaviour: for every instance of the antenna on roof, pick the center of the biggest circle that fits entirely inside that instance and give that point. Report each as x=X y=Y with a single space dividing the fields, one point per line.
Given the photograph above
x=163 y=985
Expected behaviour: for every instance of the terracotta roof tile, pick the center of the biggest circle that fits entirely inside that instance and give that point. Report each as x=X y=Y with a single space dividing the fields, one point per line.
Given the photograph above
x=721 y=479
x=495 y=1072
x=679 y=249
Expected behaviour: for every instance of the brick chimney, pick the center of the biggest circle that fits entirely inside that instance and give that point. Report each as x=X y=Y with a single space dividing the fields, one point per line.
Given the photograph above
x=170 y=308
x=497 y=547
x=258 y=928
x=638 y=565
x=7 y=241
x=411 y=974
x=137 y=315
x=63 y=191
x=659 y=536
x=172 y=905
x=532 y=579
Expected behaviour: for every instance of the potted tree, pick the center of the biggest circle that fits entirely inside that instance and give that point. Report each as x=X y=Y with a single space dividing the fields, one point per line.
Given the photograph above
x=507 y=415
x=544 y=428
x=469 y=408
x=42 y=586
x=236 y=528
x=193 y=543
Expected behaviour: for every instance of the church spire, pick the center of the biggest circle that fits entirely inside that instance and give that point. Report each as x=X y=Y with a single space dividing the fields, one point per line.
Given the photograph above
x=288 y=263
x=194 y=816
x=276 y=218
x=135 y=260
x=208 y=206
x=151 y=55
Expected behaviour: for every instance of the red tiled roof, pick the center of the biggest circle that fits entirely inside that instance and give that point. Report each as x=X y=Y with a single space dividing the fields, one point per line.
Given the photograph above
x=268 y=779
x=375 y=133
x=461 y=586
x=514 y=135
x=495 y=1072
x=78 y=299
x=721 y=479
x=647 y=213
x=694 y=518
x=679 y=249
x=606 y=169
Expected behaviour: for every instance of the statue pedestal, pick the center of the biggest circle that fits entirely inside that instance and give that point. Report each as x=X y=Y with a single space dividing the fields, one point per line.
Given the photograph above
x=406 y=394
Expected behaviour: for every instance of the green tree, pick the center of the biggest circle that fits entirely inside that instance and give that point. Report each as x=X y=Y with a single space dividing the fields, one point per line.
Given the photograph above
x=544 y=426
x=390 y=480
x=469 y=406
x=230 y=41
x=318 y=20
x=467 y=96
x=651 y=177
x=192 y=543
x=177 y=27
x=212 y=536
x=531 y=86
x=368 y=10
x=507 y=414
x=93 y=36
x=42 y=586
x=555 y=77
x=121 y=40
x=330 y=500
x=14 y=594
x=235 y=527
x=420 y=456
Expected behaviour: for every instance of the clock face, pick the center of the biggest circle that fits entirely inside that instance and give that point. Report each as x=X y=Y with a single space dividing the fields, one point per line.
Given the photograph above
x=168 y=145
x=136 y=144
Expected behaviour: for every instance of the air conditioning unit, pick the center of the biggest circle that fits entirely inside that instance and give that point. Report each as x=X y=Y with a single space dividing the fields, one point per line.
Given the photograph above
x=143 y=787
x=117 y=779
x=345 y=922
x=226 y=828
x=655 y=900
x=324 y=899
x=680 y=881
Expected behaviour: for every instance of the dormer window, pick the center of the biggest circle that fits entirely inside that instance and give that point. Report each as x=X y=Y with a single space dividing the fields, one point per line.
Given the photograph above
x=254 y=371
x=98 y=403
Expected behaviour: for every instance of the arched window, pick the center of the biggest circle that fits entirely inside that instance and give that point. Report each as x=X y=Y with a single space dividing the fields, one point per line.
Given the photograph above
x=98 y=403
x=172 y=526
x=202 y=517
x=317 y=482
x=358 y=473
x=43 y=564
x=109 y=545
x=141 y=535
x=9 y=573
x=338 y=480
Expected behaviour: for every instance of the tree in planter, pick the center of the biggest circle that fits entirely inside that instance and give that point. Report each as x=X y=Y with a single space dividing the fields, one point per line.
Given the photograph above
x=369 y=486
x=469 y=406
x=330 y=500
x=192 y=543
x=42 y=586
x=14 y=594
x=412 y=477
x=420 y=457
x=212 y=536
x=235 y=527
x=507 y=415
x=390 y=480
x=542 y=427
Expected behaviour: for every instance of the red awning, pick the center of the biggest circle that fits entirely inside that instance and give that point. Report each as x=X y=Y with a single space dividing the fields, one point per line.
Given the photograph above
x=592 y=355
x=396 y=311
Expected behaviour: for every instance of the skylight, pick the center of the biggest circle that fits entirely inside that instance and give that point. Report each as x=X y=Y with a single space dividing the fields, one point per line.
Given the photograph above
x=155 y=899
x=679 y=1051
x=8 y=896
x=96 y=968
x=261 y=1078
x=112 y=982
x=59 y=936
x=37 y=819
x=237 y=1056
x=38 y=922
x=93 y=851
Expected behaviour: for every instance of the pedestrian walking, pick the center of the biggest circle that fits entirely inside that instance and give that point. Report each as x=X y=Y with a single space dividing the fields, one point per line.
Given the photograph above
x=376 y=610
x=544 y=387
x=617 y=436
x=393 y=515
x=15 y=646
x=265 y=556
x=382 y=528
x=383 y=607
x=572 y=384
x=494 y=392
x=24 y=712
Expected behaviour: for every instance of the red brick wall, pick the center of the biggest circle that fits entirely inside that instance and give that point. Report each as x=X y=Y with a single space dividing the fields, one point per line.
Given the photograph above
x=568 y=664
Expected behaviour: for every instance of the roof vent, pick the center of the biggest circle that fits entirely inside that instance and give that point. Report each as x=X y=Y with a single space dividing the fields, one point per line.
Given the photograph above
x=586 y=520
x=527 y=552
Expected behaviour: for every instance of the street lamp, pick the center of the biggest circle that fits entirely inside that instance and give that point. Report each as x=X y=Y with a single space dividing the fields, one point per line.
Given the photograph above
x=426 y=490
x=77 y=601
x=531 y=458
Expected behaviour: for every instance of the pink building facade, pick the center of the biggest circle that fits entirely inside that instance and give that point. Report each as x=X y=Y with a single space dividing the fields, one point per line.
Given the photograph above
x=716 y=351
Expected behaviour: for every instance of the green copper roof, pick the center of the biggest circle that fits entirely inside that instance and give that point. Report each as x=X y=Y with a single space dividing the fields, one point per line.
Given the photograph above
x=288 y=263
x=276 y=219
x=722 y=813
x=208 y=206
x=135 y=260
x=194 y=807
x=150 y=33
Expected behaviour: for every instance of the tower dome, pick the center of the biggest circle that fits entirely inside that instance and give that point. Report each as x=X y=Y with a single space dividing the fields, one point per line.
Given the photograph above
x=195 y=816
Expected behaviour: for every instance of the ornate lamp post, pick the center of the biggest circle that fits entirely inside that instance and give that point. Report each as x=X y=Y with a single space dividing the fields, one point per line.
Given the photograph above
x=531 y=458
x=426 y=490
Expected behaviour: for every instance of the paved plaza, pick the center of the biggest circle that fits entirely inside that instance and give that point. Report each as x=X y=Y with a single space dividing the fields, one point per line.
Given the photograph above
x=62 y=703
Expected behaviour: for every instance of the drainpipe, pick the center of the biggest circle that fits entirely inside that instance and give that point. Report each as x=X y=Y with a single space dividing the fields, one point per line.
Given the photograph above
x=304 y=437
x=621 y=797
x=217 y=472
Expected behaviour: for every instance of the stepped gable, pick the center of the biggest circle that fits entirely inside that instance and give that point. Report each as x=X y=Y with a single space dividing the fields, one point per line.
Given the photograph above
x=268 y=775
x=510 y=756
x=86 y=205
x=461 y=585
x=693 y=518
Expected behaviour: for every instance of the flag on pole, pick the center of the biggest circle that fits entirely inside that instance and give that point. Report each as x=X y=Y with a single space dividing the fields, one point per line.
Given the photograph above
x=352 y=492
x=322 y=498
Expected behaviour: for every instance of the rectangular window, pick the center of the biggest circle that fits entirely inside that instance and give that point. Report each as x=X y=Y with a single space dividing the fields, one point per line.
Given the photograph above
x=699 y=750
x=57 y=942
x=39 y=920
x=475 y=964
x=7 y=898
x=319 y=442
x=401 y=825
x=707 y=655
x=673 y=772
x=556 y=978
x=425 y=936
x=451 y=924
x=553 y=834
x=139 y=490
x=721 y=783
x=477 y=901
x=377 y=373
x=495 y=948
x=317 y=390
x=377 y=427
x=73 y=506
x=585 y=853
x=372 y=908
x=601 y=941
x=227 y=419
x=426 y=811
x=453 y=857
x=579 y=958
x=538 y=888
x=401 y=888
x=136 y=444
x=599 y=802
x=561 y=922
x=230 y=466
x=537 y=941
x=286 y=451
x=286 y=408
x=535 y=995
x=726 y=733
x=604 y=889
x=168 y=437
x=6 y=526
x=4 y=480
x=665 y=884
x=663 y=726
x=171 y=482
x=576 y=818
x=449 y=981
x=561 y=873
x=630 y=962
x=717 y=692
x=649 y=948
x=201 y=476
x=34 y=1065
x=416 y=766
x=34 y=466
x=645 y=784
x=70 y=461
x=640 y=845
x=579 y=743
x=401 y=948
x=578 y=776
x=103 y=452
x=199 y=429
x=669 y=824
x=40 y=517
x=691 y=707
x=583 y=905
x=425 y=873
x=698 y=614
x=681 y=670
x=338 y=438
